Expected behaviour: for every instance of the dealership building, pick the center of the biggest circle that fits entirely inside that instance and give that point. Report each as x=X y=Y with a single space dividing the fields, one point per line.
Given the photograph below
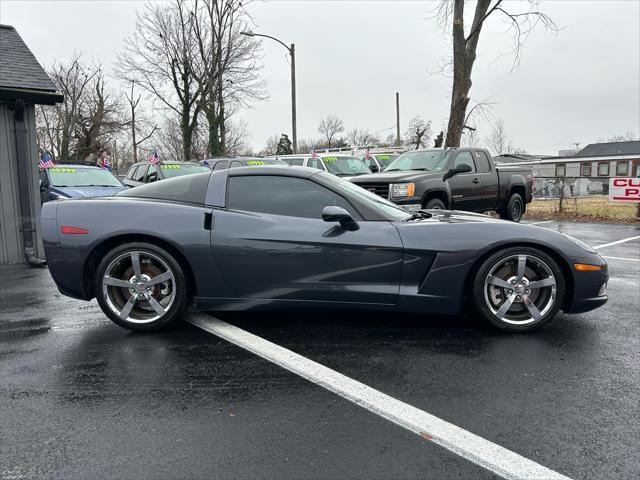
x=611 y=159
x=23 y=85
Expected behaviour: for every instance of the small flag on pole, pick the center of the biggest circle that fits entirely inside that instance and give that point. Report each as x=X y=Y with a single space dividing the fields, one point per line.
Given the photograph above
x=314 y=155
x=366 y=154
x=45 y=161
x=153 y=157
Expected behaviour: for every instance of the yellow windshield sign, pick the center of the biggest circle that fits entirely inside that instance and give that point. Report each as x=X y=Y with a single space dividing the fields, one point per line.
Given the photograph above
x=255 y=162
x=171 y=167
x=62 y=170
x=330 y=159
x=383 y=157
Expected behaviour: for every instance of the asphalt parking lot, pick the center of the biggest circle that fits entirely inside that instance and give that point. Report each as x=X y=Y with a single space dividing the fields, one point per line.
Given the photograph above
x=83 y=398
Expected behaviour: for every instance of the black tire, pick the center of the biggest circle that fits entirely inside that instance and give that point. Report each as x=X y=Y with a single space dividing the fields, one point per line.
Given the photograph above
x=514 y=209
x=435 y=204
x=169 y=297
x=488 y=298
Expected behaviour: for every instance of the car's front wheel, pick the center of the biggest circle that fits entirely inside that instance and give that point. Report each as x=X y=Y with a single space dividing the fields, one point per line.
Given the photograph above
x=140 y=286
x=519 y=289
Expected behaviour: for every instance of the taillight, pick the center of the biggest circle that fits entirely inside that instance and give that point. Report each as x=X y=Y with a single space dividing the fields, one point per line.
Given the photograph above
x=73 y=230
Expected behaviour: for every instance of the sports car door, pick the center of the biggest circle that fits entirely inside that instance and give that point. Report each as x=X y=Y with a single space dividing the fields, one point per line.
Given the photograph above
x=271 y=243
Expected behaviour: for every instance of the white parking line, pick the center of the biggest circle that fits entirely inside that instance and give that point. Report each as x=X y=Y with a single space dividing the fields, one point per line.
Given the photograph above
x=622 y=258
x=619 y=241
x=539 y=223
x=476 y=449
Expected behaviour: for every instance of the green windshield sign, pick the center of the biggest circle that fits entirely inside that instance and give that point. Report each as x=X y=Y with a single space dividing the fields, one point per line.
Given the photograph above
x=171 y=167
x=255 y=162
x=330 y=159
x=62 y=170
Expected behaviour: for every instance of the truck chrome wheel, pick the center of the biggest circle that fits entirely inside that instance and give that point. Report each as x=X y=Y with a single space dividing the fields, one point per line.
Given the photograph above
x=520 y=289
x=139 y=287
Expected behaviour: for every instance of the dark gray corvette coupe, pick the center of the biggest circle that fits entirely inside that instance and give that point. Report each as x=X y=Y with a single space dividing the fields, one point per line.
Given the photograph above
x=289 y=237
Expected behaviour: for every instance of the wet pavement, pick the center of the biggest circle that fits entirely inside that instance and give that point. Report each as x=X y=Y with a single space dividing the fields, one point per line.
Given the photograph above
x=83 y=398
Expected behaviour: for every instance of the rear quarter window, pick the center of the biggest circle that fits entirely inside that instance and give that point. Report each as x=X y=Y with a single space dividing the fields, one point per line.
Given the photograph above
x=187 y=189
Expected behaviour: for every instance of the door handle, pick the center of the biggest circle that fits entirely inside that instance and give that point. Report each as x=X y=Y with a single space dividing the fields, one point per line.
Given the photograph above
x=475 y=180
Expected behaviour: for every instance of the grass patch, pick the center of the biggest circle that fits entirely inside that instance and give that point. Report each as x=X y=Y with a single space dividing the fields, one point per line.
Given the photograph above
x=592 y=207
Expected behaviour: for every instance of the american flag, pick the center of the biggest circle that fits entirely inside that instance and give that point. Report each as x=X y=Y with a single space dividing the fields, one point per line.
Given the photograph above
x=366 y=154
x=153 y=157
x=45 y=161
x=314 y=155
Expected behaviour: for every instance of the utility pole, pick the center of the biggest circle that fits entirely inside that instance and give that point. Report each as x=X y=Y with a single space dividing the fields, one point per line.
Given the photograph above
x=397 y=119
x=292 y=51
x=294 y=121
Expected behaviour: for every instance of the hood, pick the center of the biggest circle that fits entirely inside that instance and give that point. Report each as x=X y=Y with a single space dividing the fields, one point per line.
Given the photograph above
x=459 y=216
x=399 y=176
x=80 y=192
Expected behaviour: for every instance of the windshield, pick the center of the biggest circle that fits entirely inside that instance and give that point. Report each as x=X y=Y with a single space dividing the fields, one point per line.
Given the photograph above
x=387 y=209
x=345 y=165
x=385 y=160
x=82 y=177
x=428 y=160
x=171 y=170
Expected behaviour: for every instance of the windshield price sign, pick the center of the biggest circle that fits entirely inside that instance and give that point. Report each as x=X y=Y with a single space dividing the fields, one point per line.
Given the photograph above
x=624 y=189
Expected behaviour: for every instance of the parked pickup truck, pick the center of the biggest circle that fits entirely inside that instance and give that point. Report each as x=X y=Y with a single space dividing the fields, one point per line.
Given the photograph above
x=453 y=178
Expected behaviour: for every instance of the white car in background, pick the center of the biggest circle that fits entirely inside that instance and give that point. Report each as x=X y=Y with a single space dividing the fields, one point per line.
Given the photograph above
x=339 y=164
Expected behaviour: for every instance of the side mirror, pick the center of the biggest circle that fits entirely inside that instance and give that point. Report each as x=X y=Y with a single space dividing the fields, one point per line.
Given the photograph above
x=339 y=214
x=462 y=168
x=374 y=168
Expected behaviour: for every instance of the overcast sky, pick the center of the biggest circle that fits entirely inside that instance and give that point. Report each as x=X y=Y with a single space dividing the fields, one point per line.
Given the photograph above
x=577 y=86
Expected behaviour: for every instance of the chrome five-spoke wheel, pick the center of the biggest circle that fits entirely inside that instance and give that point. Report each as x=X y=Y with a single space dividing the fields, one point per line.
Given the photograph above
x=519 y=289
x=140 y=288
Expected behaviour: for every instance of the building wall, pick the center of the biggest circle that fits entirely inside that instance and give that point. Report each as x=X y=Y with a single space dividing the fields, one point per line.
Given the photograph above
x=11 y=245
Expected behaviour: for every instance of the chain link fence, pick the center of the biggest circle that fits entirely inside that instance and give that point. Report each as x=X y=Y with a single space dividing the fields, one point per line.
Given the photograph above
x=579 y=196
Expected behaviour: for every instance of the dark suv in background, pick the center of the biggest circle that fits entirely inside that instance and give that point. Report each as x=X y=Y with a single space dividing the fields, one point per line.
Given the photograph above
x=147 y=172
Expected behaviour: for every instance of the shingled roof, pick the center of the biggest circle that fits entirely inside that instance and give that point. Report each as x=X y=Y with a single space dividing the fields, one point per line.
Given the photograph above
x=21 y=76
x=610 y=148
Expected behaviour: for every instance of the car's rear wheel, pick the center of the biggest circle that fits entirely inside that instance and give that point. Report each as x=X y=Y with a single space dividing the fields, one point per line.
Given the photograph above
x=435 y=204
x=514 y=209
x=140 y=286
x=519 y=289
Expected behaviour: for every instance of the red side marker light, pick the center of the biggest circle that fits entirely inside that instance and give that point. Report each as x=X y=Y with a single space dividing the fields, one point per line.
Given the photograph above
x=73 y=230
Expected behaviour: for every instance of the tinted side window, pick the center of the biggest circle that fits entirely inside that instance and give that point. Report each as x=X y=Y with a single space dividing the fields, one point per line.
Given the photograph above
x=187 y=188
x=315 y=163
x=152 y=174
x=140 y=173
x=235 y=164
x=465 y=157
x=220 y=165
x=482 y=162
x=294 y=161
x=294 y=197
x=131 y=172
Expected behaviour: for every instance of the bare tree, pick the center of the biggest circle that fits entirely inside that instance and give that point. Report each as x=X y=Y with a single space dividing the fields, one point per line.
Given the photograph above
x=57 y=125
x=140 y=126
x=329 y=127
x=418 y=133
x=465 y=43
x=498 y=141
x=162 y=57
x=361 y=137
x=271 y=145
x=100 y=119
x=229 y=74
x=88 y=119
